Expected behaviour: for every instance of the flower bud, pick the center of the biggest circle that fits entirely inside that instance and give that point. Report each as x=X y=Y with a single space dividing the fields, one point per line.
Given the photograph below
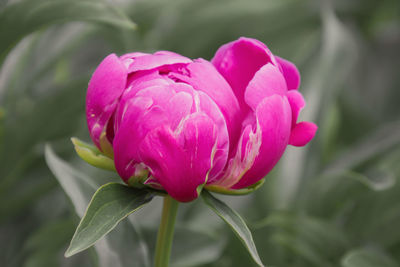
x=178 y=124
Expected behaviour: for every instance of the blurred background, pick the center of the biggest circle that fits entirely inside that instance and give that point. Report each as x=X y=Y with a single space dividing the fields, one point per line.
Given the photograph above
x=335 y=203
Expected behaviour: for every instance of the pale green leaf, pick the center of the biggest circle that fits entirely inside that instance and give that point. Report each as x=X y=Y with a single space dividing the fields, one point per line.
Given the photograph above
x=110 y=204
x=237 y=224
x=24 y=17
x=80 y=187
x=367 y=258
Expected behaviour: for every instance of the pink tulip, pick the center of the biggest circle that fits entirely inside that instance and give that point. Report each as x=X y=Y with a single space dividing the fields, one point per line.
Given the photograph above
x=178 y=124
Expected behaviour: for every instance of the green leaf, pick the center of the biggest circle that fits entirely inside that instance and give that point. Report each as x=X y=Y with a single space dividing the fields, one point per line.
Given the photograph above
x=22 y=18
x=92 y=155
x=110 y=204
x=234 y=220
x=77 y=185
x=126 y=237
x=367 y=258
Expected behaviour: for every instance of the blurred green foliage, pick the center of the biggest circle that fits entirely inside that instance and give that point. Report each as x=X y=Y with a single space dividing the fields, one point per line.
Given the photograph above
x=336 y=203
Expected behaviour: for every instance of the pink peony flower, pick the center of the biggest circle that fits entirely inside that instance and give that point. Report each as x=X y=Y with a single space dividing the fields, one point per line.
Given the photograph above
x=178 y=124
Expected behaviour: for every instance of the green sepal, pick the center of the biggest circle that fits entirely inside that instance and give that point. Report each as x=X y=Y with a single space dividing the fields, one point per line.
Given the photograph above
x=226 y=191
x=106 y=146
x=92 y=155
x=138 y=182
x=138 y=179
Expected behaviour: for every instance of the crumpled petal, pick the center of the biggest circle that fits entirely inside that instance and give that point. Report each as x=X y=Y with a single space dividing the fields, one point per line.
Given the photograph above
x=201 y=103
x=291 y=73
x=181 y=163
x=274 y=119
x=260 y=147
x=105 y=87
x=238 y=61
x=205 y=78
x=302 y=133
x=179 y=107
x=133 y=55
x=161 y=58
x=240 y=162
x=140 y=82
x=221 y=149
x=170 y=105
x=140 y=117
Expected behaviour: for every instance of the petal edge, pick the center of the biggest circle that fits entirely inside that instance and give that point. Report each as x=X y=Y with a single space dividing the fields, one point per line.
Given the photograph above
x=302 y=133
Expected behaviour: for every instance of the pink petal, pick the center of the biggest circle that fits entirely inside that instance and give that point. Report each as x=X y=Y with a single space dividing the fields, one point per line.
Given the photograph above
x=148 y=62
x=200 y=103
x=297 y=103
x=105 y=87
x=245 y=154
x=141 y=81
x=139 y=113
x=179 y=106
x=302 y=133
x=291 y=73
x=210 y=108
x=238 y=61
x=168 y=53
x=138 y=119
x=160 y=94
x=274 y=123
x=127 y=59
x=133 y=55
x=181 y=163
x=266 y=82
x=205 y=78
x=166 y=105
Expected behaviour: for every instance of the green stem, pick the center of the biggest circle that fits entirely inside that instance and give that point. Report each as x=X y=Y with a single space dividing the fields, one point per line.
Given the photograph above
x=166 y=232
